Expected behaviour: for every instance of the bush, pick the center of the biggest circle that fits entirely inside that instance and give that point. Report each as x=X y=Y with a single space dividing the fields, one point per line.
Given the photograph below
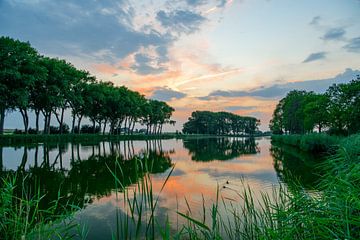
x=56 y=130
x=32 y=131
x=315 y=143
x=89 y=129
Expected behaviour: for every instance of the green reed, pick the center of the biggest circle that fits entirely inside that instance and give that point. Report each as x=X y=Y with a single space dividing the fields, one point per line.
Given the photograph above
x=23 y=218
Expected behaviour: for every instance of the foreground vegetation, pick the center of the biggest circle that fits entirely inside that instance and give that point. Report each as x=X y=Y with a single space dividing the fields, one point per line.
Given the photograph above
x=290 y=212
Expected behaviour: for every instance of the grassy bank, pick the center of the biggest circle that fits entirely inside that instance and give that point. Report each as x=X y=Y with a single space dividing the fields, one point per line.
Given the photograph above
x=315 y=143
x=17 y=139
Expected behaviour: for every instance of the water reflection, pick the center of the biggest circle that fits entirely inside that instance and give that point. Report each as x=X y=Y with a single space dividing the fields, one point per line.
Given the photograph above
x=81 y=172
x=293 y=165
x=210 y=149
x=61 y=169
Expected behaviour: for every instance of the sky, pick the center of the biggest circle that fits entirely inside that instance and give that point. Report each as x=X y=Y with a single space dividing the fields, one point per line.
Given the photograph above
x=241 y=56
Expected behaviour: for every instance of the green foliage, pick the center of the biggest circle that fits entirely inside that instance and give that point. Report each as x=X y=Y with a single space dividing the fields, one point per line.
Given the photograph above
x=49 y=86
x=23 y=218
x=316 y=143
x=220 y=123
x=336 y=111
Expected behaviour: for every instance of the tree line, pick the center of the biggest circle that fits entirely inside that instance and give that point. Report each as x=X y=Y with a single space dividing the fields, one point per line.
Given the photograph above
x=49 y=86
x=220 y=123
x=336 y=111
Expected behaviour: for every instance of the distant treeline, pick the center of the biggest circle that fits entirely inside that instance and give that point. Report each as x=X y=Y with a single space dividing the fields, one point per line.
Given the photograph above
x=337 y=111
x=49 y=86
x=220 y=123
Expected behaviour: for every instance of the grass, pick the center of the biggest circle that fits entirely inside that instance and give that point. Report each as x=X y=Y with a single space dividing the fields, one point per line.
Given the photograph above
x=20 y=139
x=23 y=218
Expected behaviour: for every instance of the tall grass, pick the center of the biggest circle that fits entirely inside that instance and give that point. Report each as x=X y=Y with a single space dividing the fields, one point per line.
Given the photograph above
x=23 y=218
x=136 y=218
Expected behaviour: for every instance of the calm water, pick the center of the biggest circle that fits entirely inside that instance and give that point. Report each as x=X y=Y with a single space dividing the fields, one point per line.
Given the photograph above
x=82 y=174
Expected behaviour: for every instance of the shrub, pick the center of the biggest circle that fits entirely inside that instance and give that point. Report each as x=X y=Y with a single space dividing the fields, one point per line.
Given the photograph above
x=56 y=130
x=89 y=129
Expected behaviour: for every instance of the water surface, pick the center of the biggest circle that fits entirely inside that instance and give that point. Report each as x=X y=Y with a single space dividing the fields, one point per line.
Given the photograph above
x=83 y=174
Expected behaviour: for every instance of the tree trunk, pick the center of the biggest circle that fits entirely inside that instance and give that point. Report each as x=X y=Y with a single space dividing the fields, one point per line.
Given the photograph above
x=129 y=127
x=78 y=124
x=111 y=131
x=94 y=125
x=99 y=127
x=62 y=120
x=48 y=123
x=45 y=122
x=2 y=120
x=104 y=127
x=133 y=126
x=125 y=126
x=118 y=130
x=25 y=119
x=37 y=113
x=73 y=124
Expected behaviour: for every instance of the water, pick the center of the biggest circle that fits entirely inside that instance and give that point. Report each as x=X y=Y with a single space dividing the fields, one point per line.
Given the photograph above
x=82 y=174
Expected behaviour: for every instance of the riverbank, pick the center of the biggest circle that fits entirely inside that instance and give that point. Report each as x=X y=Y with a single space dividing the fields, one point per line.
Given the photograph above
x=314 y=143
x=20 y=139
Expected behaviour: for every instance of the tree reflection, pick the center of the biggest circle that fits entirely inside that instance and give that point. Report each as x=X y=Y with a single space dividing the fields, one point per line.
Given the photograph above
x=210 y=149
x=84 y=179
x=295 y=166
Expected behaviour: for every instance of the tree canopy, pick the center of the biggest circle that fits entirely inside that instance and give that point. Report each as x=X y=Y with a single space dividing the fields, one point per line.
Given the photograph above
x=220 y=123
x=337 y=111
x=49 y=86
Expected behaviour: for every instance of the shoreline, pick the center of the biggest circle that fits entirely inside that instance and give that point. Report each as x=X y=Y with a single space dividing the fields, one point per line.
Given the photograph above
x=21 y=139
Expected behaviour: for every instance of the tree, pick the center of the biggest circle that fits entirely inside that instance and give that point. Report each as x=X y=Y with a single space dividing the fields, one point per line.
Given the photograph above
x=316 y=112
x=221 y=123
x=19 y=69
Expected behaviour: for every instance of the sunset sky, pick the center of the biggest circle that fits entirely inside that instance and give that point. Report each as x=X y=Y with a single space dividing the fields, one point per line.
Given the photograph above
x=234 y=55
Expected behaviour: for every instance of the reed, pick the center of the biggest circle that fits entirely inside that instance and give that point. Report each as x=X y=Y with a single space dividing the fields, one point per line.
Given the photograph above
x=23 y=218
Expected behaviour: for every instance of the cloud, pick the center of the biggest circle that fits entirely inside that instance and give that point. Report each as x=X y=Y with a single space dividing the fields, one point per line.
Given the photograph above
x=166 y=94
x=280 y=90
x=353 y=45
x=315 y=56
x=196 y=2
x=180 y=21
x=315 y=21
x=221 y=3
x=144 y=65
x=101 y=30
x=334 y=34
x=237 y=108
x=264 y=176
